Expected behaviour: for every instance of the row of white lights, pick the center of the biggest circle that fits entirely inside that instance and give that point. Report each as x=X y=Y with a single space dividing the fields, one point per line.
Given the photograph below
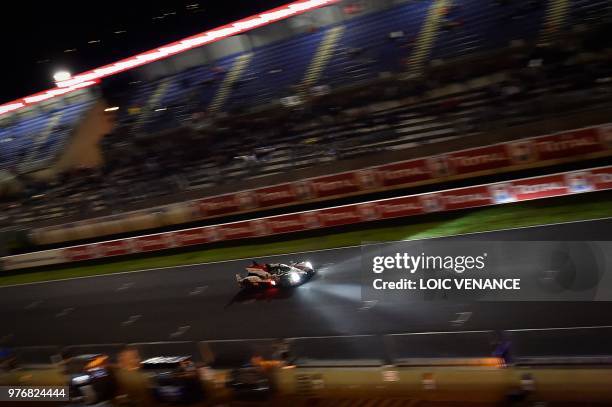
x=51 y=93
x=199 y=40
x=92 y=77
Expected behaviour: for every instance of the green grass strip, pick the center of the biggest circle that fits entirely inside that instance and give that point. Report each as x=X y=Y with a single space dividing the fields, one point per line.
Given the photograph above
x=486 y=219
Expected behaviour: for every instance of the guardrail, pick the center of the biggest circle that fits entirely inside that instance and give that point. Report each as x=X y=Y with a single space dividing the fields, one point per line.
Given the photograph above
x=546 y=150
x=548 y=186
x=525 y=347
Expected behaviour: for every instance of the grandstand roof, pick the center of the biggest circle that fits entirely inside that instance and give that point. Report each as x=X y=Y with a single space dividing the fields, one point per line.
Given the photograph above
x=94 y=76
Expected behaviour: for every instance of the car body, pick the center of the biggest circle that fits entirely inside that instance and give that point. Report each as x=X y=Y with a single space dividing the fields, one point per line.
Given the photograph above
x=91 y=378
x=249 y=383
x=173 y=379
x=267 y=275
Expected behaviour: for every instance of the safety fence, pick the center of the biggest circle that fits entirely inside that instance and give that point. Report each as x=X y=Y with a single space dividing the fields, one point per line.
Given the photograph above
x=525 y=347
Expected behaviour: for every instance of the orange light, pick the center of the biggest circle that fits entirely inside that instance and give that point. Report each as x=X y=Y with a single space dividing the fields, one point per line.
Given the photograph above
x=96 y=362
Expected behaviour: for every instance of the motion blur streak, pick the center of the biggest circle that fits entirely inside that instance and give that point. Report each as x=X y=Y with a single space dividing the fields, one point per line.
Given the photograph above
x=328 y=305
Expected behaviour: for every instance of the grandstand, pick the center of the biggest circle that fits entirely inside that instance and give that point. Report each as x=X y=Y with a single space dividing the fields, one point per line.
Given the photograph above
x=33 y=137
x=347 y=80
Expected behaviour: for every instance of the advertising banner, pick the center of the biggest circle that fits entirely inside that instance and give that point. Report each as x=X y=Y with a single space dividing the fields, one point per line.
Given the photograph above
x=573 y=182
x=524 y=153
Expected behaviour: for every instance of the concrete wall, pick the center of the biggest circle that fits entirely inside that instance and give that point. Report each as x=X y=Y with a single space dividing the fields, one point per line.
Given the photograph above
x=228 y=46
x=189 y=59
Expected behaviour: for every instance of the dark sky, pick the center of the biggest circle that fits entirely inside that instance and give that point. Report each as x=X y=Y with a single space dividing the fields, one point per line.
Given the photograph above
x=36 y=34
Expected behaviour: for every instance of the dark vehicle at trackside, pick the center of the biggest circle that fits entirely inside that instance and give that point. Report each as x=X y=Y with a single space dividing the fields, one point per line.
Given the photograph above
x=173 y=379
x=8 y=359
x=268 y=275
x=250 y=382
x=91 y=378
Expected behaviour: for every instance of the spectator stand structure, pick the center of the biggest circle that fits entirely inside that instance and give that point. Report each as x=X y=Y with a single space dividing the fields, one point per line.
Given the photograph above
x=337 y=47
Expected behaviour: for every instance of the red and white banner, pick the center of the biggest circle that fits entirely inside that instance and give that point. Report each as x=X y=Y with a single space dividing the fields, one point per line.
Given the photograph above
x=541 y=187
x=406 y=172
x=525 y=153
x=191 y=236
x=115 y=248
x=572 y=143
x=547 y=186
x=602 y=178
x=481 y=159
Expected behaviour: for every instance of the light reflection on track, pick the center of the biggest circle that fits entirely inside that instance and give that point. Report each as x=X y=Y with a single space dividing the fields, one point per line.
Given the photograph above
x=330 y=304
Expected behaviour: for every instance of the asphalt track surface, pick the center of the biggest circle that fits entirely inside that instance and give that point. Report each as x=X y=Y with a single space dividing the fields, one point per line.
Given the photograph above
x=202 y=302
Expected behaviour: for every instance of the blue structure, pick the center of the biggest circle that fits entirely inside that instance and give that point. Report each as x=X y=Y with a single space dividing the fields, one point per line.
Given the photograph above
x=370 y=44
x=39 y=136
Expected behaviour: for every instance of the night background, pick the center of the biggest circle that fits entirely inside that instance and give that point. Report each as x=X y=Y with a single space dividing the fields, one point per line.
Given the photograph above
x=56 y=35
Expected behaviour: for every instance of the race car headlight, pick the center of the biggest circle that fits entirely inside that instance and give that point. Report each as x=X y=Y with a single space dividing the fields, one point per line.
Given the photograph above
x=308 y=264
x=78 y=380
x=294 y=277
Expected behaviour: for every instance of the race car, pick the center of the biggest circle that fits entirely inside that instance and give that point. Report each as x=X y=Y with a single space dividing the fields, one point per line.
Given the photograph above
x=268 y=275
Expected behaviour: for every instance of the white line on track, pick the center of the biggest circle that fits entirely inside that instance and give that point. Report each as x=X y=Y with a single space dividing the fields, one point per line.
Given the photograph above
x=333 y=336
x=125 y=286
x=64 y=312
x=462 y=318
x=303 y=252
x=367 y=305
x=33 y=305
x=180 y=331
x=439 y=333
x=198 y=290
x=559 y=329
x=365 y=335
x=131 y=320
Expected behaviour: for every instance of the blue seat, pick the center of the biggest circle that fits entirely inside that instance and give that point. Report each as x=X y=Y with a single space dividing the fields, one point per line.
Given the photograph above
x=19 y=139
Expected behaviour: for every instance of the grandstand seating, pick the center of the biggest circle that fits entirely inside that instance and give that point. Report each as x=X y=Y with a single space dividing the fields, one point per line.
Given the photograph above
x=39 y=136
x=587 y=11
x=16 y=138
x=191 y=89
x=368 y=45
x=476 y=25
x=360 y=48
x=274 y=69
x=312 y=140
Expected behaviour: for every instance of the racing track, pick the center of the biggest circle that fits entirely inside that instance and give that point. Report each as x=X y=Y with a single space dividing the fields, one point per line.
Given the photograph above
x=202 y=302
